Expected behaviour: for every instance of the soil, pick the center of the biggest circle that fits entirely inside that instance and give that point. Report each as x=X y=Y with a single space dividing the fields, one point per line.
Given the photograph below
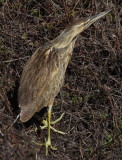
x=91 y=97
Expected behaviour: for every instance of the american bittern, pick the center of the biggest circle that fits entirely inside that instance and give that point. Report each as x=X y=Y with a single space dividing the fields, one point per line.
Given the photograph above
x=43 y=75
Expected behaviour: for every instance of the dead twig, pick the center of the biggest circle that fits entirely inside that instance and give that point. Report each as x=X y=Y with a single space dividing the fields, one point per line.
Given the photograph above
x=13 y=60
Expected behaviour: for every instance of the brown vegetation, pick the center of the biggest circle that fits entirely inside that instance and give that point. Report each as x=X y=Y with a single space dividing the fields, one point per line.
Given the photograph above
x=91 y=95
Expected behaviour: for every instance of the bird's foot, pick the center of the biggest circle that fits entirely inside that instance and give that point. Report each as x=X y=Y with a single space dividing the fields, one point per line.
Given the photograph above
x=45 y=124
x=47 y=144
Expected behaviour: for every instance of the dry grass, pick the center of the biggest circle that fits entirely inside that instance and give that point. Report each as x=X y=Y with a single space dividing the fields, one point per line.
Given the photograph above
x=91 y=96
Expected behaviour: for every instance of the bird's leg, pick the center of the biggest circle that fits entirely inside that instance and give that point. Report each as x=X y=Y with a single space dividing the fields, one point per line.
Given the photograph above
x=48 y=142
x=45 y=123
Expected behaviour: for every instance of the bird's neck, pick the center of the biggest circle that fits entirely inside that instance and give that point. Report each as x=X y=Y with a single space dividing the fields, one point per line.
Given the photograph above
x=64 y=39
x=66 y=52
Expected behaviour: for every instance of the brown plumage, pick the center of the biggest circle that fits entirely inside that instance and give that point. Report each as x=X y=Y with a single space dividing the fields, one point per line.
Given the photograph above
x=42 y=79
x=43 y=75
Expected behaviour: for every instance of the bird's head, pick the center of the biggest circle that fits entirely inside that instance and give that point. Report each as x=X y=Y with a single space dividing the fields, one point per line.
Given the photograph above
x=74 y=29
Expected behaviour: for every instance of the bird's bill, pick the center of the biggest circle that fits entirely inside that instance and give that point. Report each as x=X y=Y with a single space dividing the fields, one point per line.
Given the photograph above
x=95 y=18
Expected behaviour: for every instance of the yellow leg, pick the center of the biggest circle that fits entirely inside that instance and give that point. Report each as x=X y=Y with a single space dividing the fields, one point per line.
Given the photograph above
x=47 y=124
x=48 y=142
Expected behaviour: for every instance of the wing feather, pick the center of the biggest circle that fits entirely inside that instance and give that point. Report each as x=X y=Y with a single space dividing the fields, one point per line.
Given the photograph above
x=34 y=80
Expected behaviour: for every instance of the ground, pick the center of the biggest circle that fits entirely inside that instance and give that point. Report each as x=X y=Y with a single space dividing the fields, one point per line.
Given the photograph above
x=91 y=95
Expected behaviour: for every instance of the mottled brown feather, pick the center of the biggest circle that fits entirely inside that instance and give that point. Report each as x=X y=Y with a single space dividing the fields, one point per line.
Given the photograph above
x=42 y=78
x=43 y=75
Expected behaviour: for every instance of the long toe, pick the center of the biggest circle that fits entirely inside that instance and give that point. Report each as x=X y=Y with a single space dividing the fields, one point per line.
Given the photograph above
x=57 y=120
x=53 y=148
x=47 y=145
x=45 y=124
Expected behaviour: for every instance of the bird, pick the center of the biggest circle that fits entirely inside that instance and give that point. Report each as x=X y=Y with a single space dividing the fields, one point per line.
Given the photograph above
x=44 y=73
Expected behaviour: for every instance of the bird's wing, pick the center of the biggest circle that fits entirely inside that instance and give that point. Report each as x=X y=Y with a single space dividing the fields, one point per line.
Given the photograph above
x=34 y=78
